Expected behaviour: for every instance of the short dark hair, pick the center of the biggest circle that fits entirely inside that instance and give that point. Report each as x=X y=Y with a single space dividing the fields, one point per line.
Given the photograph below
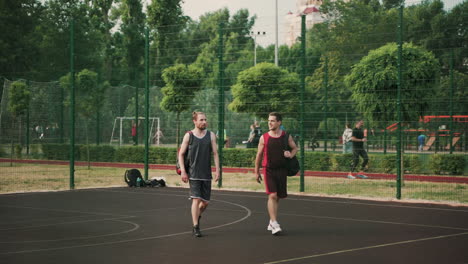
x=277 y=115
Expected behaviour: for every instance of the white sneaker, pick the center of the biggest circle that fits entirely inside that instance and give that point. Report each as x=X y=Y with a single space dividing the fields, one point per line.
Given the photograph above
x=274 y=228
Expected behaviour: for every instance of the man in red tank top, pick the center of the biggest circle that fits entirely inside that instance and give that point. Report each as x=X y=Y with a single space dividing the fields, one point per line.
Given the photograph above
x=272 y=153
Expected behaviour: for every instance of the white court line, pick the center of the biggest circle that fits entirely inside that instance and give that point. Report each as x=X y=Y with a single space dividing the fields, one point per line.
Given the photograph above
x=365 y=248
x=377 y=221
x=139 y=239
x=31 y=221
x=135 y=227
x=63 y=223
x=63 y=211
x=352 y=203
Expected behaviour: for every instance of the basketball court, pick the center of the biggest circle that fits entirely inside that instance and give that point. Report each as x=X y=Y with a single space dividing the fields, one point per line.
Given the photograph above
x=153 y=225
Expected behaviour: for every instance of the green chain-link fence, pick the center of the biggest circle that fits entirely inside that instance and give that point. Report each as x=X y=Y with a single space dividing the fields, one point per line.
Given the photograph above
x=403 y=77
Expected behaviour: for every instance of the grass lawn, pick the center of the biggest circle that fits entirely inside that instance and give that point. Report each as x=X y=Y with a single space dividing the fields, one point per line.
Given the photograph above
x=33 y=177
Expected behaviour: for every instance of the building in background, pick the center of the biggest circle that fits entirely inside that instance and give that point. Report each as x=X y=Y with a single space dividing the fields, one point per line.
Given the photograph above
x=310 y=8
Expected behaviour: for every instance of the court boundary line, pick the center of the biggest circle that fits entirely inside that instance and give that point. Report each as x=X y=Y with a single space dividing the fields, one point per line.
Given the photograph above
x=378 y=222
x=353 y=203
x=365 y=248
x=249 y=213
x=135 y=227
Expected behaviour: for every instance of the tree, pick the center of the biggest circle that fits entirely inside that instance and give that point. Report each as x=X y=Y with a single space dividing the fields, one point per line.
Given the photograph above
x=133 y=21
x=18 y=48
x=18 y=105
x=456 y=35
x=53 y=33
x=265 y=88
x=373 y=82
x=441 y=101
x=332 y=101
x=102 y=20
x=182 y=82
x=167 y=19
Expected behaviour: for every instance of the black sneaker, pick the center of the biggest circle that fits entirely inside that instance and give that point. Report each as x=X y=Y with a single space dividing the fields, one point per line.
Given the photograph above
x=196 y=231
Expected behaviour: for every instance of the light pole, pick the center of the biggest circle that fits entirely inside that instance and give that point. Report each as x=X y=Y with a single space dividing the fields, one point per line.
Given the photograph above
x=276 y=32
x=254 y=35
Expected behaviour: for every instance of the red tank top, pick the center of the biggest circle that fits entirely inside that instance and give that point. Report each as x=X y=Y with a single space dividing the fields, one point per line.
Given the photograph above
x=273 y=151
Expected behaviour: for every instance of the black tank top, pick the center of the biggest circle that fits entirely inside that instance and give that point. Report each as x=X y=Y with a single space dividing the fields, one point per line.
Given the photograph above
x=200 y=158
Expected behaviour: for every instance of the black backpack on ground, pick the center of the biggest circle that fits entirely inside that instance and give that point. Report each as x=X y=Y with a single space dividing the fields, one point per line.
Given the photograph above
x=133 y=178
x=156 y=183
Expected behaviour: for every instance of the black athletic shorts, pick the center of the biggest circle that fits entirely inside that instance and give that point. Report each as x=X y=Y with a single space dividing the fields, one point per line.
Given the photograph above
x=276 y=181
x=200 y=190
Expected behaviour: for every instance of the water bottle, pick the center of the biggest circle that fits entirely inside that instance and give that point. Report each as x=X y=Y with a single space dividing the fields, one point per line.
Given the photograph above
x=138 y=183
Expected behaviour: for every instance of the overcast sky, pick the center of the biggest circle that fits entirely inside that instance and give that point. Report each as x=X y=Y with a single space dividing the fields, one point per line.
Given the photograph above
x=264 y=9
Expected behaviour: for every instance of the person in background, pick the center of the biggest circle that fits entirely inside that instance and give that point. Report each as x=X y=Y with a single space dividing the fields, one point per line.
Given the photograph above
x=421 y=142
x=358 y=138
x=346 y=137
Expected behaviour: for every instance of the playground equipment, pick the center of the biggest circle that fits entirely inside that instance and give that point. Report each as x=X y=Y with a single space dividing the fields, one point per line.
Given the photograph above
x=154 y=129
x=441 y=132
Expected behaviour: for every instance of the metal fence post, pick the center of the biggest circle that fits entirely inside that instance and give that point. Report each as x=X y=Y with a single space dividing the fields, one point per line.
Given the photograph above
x=301 y=122
x=325 y=87
x=72 y=104
x=147 y=137
x=451 y=102
x=220 y=104
x=398 y=145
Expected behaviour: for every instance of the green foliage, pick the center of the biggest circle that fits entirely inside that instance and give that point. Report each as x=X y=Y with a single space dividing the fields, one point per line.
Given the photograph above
x=18 y=24
x=19 y=98
x=97 y=153
x=182 y=82
x=334 y=128
x=35 y=151
x=448 y=164
x=18 y=151
x=133 y=41
x=2 y=152
x=265 y=88
x=460 y=93
x=335 y=73
x=133 y=154
x=373 y=82
x=317 y=161
x=162 y=155
x=341 y=162
x=59 y=151
x=88 y=96
x=245 y=158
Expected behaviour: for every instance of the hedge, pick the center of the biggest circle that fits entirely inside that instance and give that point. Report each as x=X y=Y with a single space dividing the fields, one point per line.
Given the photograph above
x=453 y=164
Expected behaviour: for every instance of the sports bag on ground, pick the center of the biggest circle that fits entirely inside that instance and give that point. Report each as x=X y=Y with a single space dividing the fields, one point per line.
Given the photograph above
x=156 y=183
x=292 y=164
x=133 y=178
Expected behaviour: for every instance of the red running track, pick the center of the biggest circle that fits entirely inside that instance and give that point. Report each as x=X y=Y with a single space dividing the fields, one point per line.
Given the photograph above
x=332 y=174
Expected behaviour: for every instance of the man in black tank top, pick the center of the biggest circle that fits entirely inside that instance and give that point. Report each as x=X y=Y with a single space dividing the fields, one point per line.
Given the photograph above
x=358 y=138
x=271 y=150
x=199 y=175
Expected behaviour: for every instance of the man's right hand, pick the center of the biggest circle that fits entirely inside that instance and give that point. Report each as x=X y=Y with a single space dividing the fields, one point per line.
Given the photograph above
x=184 y=177
x=259 y=178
